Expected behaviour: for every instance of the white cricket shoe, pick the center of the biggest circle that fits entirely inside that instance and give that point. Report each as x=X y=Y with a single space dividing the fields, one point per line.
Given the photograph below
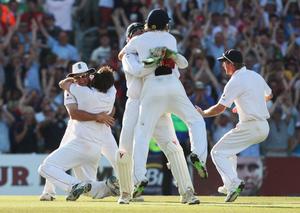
x=189 y=197
x=46 y=197
x=222 y=190
x=124 y=198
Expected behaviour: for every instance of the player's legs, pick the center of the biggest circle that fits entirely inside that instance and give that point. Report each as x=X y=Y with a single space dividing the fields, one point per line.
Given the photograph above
x=48 y=193
x=124 y=170
x=151 y=108
x=222 y=189
x=87 y=172
x=224 y=152
x=130 y=118
x=165 y=136
x=183 y=108
x=109 y=148
x=124 y=155
x=49 y=188
x=65 y=158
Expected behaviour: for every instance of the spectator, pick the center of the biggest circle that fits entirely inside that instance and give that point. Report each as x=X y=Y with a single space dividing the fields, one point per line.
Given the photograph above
x=101 y=54
x=49 y=23
x=6 y=120
x=61 y=47
x=222 y=125
x=24 y=133
x=33 y=13
x=105 y=11
x=51 y=129
x=276 y=144
x=7 y=18
x=62 y=11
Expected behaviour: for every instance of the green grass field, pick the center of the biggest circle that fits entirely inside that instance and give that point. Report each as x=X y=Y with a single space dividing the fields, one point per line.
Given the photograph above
x=152 y=204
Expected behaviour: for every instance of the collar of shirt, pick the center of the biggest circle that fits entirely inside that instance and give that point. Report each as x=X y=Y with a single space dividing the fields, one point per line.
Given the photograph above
x=239 y=70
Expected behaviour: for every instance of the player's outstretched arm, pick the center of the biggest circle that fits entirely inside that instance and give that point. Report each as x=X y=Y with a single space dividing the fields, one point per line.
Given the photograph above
x=212 y=111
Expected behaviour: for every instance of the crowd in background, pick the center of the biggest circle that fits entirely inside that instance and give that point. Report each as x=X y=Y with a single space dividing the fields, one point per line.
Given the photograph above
x=41 y=39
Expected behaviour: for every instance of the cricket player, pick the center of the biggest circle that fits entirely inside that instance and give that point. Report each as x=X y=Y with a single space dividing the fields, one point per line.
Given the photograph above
x=88 y=139
x=81 y=73
x=249 y=92
x=162 y=93
x=164 y=133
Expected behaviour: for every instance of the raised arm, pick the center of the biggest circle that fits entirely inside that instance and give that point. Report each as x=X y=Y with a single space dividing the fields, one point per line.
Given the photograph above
x=66 y=83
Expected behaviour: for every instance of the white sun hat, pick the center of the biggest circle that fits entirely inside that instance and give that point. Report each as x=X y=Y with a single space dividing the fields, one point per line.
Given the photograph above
x=80 y=68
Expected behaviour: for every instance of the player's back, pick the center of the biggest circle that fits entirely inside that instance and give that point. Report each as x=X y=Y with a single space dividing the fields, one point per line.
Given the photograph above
x=153 y=39
x=250 y=102
x=92 y=101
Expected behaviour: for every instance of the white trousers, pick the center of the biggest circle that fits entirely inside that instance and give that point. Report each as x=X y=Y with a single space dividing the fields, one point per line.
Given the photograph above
x=164 y=133
x=83 y=156
x=160 y=95
x=236 y=140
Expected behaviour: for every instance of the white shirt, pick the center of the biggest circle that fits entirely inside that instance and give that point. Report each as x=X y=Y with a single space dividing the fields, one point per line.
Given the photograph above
x=92 y=101
x=131 y=66
x=247 y=90
x=62 y=11
x=101 y=54
x=106 y=3
x=143 y=43
x=133 y=71
x=69 y=98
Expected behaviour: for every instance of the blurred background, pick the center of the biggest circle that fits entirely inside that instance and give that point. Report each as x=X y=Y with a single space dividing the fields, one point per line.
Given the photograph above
x=41 y=39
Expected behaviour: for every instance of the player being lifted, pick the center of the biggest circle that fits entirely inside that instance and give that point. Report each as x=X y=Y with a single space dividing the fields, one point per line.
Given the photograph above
x=162 y=93
x=164 y=132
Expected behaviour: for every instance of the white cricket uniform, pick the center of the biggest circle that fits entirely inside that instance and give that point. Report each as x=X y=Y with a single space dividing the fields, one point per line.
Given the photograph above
x=164 y=131
x=247 y=90
x=132 y=68
x=83 y=172
x=162 y=94
x=84 y=143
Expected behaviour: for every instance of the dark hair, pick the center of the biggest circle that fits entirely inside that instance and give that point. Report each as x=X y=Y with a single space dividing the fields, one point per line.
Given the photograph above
x=238 y=65
x=157 y=19
x=103 y=79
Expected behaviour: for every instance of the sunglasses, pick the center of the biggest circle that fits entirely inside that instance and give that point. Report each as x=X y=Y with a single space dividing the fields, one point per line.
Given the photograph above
x=81 y=76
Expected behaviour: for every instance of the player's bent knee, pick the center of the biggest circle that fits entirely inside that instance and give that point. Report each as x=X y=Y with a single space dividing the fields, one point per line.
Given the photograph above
x=41 y=169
